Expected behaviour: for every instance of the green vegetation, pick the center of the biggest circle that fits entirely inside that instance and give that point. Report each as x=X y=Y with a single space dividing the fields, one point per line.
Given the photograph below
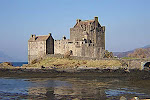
x=72 y=63
x=129 y=58
x=108 y=54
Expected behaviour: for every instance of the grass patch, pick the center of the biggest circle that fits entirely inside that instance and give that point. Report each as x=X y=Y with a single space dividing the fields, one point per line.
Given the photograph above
x=72 y=63
x=129 y=58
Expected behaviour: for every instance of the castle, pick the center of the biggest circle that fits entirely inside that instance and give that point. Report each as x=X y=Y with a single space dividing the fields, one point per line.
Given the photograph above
x=87 y=39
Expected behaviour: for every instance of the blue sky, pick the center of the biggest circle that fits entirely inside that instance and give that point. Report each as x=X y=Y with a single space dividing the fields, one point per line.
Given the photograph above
x=127 y=22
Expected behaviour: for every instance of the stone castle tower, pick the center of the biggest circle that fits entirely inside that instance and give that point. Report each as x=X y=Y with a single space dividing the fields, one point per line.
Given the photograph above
x=89 y=30
x=39 y=46
x=87 y=39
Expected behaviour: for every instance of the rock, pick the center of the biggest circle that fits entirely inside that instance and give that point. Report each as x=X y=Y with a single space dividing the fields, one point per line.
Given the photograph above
x=123 y=98
x=135 y=98
x=6 y=64
x=82 y=67
x=42 y=67
x=67 y=54
x=50 y=95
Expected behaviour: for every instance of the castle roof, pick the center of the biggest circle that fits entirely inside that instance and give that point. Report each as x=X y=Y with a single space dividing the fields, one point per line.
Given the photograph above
x=80 y=23
x=84 y=22
x=38 y=38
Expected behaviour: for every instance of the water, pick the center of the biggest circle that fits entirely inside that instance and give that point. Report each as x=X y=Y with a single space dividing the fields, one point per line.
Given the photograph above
x=78 y=88
x=18 y=63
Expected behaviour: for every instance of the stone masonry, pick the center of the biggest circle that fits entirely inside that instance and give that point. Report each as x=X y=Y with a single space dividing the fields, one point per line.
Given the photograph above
x=39 y=46
x=87 y=39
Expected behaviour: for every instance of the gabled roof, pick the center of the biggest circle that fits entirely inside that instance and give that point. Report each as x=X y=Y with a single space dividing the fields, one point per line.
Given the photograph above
x=39 y=38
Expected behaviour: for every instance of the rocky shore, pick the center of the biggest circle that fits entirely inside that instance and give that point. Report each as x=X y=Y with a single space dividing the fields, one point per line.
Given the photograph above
x=53 y=66
x=43 y=72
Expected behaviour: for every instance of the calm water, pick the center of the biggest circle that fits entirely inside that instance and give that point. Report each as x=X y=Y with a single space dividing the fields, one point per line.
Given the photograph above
x=79 y=88
x=18 y=63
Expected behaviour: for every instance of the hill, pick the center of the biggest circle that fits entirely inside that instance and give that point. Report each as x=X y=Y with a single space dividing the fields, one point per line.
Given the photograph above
x=140 y=53
x=125 y=54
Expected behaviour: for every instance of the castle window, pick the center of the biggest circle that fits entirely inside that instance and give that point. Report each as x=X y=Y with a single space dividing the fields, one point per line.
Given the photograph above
x=89 y=44
x=84 y=27
x=90 y=41
x=70 y=42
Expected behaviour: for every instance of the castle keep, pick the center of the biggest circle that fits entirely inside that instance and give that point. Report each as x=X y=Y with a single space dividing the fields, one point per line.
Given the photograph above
x=87 y=39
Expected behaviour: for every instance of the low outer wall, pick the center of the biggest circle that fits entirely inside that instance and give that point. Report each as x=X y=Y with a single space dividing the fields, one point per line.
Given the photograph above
x=136 y=63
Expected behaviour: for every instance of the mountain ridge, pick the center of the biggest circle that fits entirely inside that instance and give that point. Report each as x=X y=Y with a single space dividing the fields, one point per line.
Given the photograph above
x=125 y=54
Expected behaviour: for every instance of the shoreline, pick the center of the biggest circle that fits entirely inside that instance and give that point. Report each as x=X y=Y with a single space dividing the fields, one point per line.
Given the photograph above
x=48 y=73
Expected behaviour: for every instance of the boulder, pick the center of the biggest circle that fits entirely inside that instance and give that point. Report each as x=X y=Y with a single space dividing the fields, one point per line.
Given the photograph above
x=123 y=98
x=6 y=64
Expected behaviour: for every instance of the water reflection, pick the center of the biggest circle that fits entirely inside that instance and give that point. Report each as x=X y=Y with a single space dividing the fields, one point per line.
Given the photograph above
x=73 y=88
x=70 y=88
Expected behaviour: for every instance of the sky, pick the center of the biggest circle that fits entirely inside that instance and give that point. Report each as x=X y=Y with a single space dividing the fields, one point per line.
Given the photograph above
x=127 y=22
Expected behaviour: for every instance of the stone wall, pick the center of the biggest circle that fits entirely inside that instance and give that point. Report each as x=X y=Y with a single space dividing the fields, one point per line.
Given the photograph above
x=89 y=50
x=100 y=38
x=75 y=34
x=62 y=46
x=90 y=30
x=36 y=50
x=50 y=45
x=78 y=48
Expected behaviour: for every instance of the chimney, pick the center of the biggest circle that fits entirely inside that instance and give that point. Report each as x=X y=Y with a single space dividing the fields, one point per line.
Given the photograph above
x=64 y=38
x=96 y=20
x=78 y=20
x=33 y=37
x=50 y=34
